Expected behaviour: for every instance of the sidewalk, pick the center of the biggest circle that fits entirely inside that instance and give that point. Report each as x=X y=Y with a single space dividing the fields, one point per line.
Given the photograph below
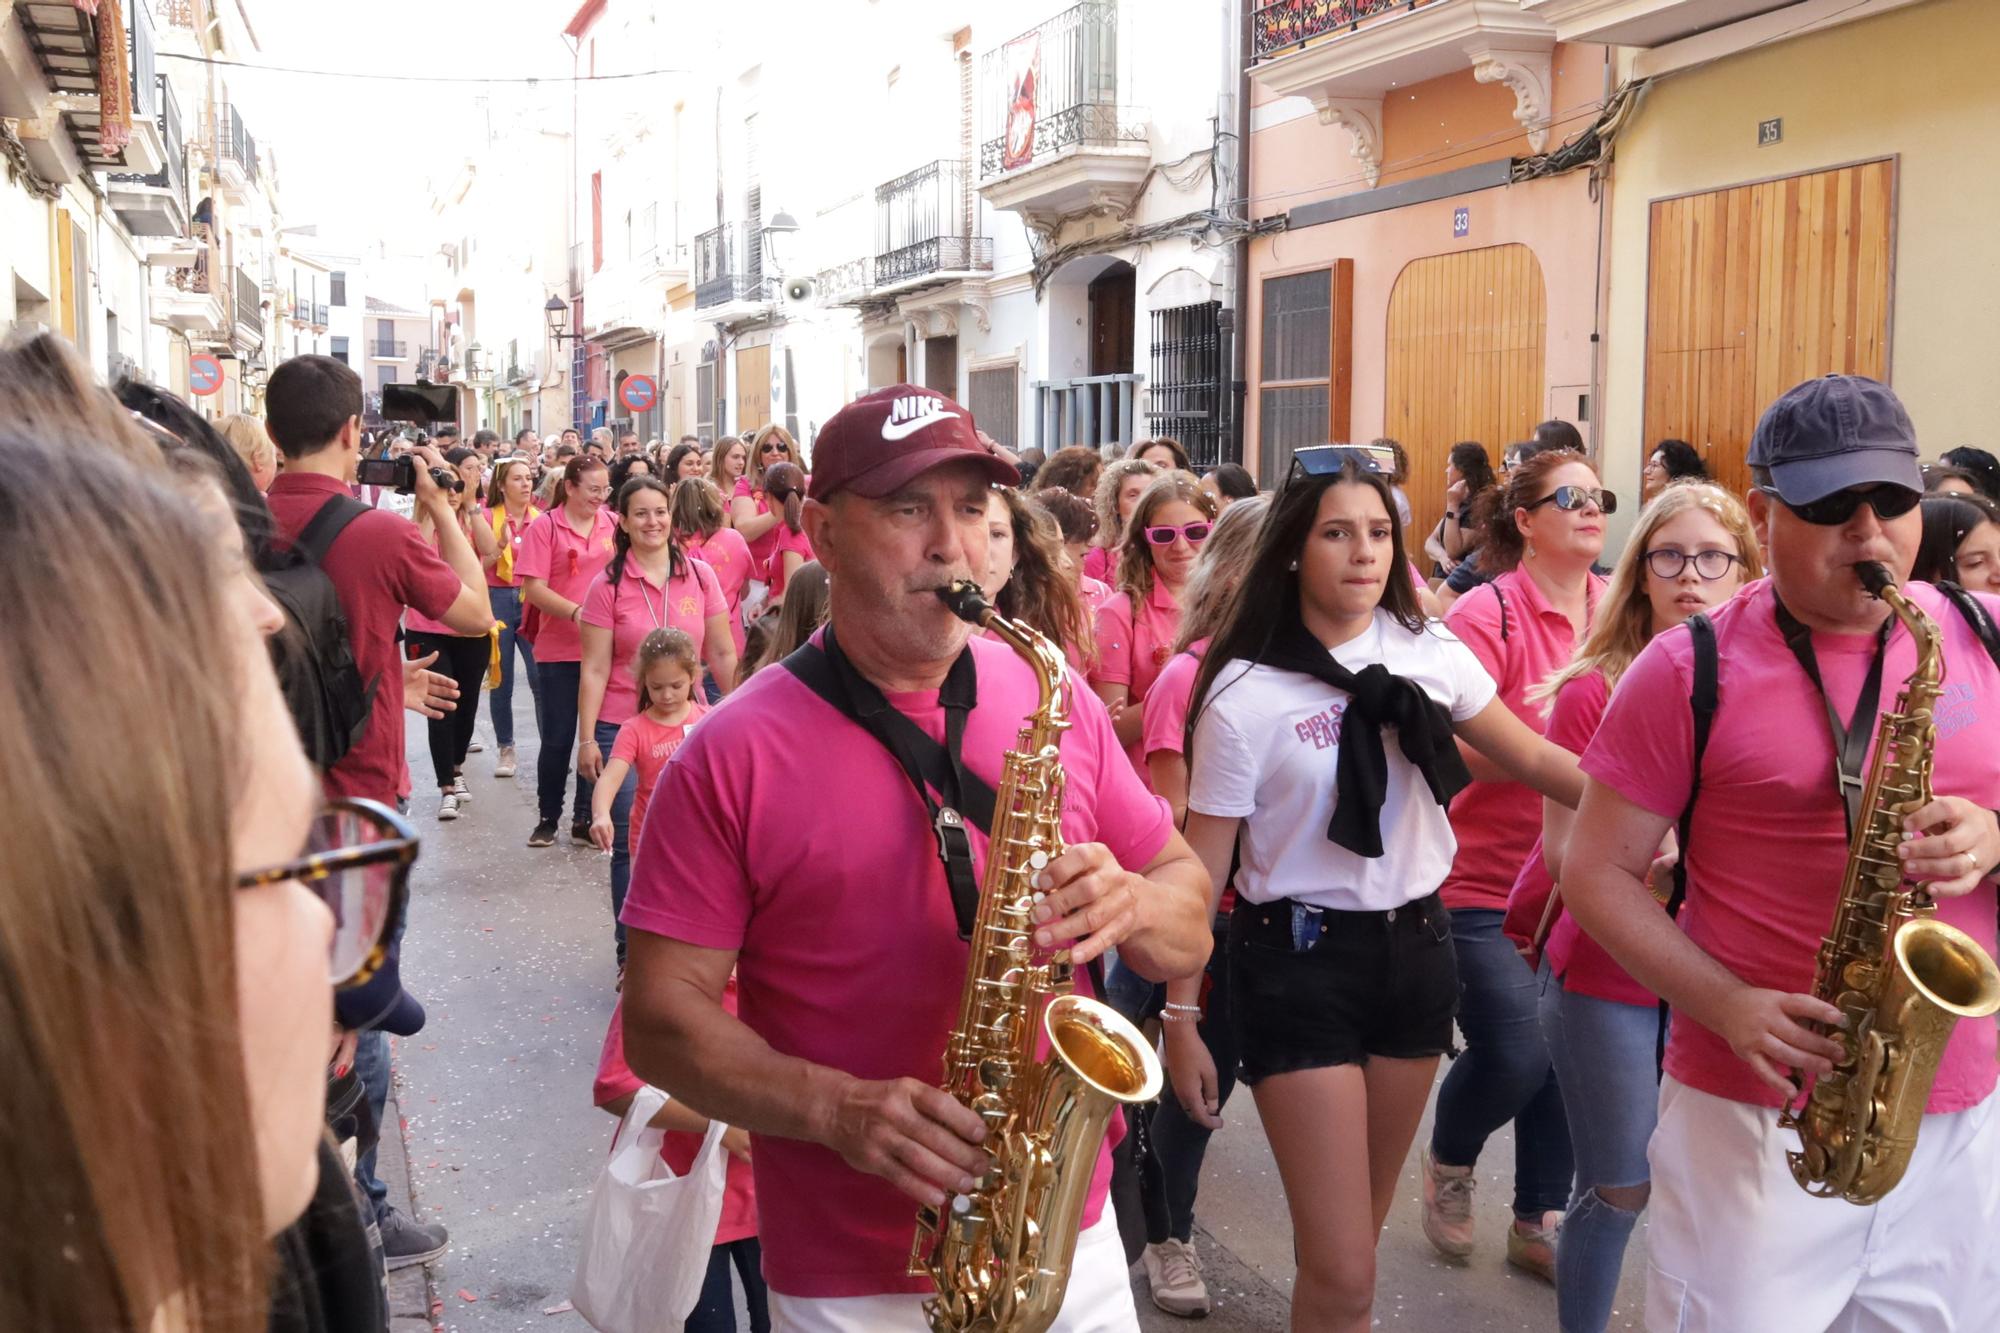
x=412 y=1291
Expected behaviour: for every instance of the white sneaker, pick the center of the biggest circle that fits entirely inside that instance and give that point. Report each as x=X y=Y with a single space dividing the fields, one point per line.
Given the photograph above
x=506 y=767
x=474 y=747
x=448 y=806
x=1173 y=1272
x=460 y=790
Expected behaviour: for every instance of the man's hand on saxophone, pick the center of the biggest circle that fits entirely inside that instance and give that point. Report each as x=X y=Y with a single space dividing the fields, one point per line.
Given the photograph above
x=1152 y=916
x=918 y=1138
x=1953 y=845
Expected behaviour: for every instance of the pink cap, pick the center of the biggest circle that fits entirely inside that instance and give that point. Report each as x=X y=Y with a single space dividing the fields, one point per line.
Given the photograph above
x=881 y=440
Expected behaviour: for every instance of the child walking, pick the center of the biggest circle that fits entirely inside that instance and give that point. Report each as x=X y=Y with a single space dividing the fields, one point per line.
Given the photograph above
x=667 y=669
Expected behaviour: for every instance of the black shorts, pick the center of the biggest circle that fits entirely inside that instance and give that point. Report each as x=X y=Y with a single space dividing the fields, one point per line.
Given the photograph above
x=1367 y=983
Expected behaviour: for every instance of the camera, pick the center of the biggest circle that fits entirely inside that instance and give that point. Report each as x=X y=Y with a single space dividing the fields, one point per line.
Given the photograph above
x=400 y=474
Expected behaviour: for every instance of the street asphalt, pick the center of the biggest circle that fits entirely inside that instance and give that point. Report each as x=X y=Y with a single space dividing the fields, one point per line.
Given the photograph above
x=510 y=950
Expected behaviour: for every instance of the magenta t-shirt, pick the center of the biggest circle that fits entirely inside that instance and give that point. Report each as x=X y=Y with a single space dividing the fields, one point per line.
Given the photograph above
x=1768 y=841
x=760 y=549
x=848 y=948
x=774 y=572
x=1099 y=564
x=729 y=556
x=551 y=549
x=1497 y=823
x=647 y=745
x=634 y=608
x=1167 y=703
x=1133 y=645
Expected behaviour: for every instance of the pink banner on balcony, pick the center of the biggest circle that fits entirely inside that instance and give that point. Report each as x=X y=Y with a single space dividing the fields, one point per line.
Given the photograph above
x=114 y=83
x=1024 y=76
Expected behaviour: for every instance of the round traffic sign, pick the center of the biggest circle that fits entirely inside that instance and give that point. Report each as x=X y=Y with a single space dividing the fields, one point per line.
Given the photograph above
x=639 y=393
x=204 y=374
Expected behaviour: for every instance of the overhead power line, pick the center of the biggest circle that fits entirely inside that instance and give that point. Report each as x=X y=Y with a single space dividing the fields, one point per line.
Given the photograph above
x=526 y=80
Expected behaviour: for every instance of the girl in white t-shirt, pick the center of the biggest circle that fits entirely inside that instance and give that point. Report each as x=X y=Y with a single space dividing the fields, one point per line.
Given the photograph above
x=1323 y=753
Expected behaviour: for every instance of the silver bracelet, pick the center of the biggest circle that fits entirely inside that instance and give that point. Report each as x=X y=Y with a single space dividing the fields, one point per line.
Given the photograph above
x=1170 y=1017
x=1184 y=1008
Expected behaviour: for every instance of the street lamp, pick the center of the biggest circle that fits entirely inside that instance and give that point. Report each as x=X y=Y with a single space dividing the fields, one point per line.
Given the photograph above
x=782 y=227
x=557 y=313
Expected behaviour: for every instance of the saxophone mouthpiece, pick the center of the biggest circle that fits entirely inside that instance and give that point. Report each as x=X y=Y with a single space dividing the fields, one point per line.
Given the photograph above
x=1875 y=577
x=967 y=601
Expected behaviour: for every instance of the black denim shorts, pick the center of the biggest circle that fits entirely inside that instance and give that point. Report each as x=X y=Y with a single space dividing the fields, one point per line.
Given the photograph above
x=1311 y=990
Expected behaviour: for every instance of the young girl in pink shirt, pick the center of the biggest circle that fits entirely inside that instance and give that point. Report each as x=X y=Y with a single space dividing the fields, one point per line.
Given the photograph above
x=785 y=485
x=666 y=668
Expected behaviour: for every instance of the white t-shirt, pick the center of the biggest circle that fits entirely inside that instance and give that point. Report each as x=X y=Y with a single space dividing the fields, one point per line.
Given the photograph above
x=1266 y=750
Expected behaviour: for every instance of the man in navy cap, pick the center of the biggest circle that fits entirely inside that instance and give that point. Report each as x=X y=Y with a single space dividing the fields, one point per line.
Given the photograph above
x=1807 y=661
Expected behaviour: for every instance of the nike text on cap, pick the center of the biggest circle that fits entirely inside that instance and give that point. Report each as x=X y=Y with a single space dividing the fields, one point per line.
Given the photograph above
x=878 y=442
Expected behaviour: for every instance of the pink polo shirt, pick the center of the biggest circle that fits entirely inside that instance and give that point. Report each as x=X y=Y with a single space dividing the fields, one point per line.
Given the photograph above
x=1099 y=564
x=1095 y=592
x=509 y=537
x=774 y=572
x=1581 y=962
x=415 y=621
x=551 y=549
x=1168 y=701
x=1132 y=647
x=1768 y=842
x=729 y=556
x=636 y=606
x=1497 y=823
x=848 y=949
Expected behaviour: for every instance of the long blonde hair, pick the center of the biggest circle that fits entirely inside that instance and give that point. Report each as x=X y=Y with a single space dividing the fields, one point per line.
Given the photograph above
x=1224 y=559
x=1623 y=625
x=753 y=465
x=1109 y=527
x=1135 y=554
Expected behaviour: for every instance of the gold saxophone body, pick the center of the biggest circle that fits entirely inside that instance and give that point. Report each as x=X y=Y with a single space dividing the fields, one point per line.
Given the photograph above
x=1902 y=978
x=1000 y=1255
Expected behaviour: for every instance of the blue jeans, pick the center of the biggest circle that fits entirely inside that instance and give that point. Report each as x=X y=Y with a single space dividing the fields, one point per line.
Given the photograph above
x=1179 y=1144
x=507 y=610
x=1504 y=1072
x=621 y=824
x=558 y=725
x=1604 y=1055
x=371 y=1066
x=715 y=1312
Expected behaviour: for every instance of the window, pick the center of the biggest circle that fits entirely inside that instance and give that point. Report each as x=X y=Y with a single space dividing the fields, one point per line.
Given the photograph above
x=340 y=350
x=384 y=376
x=338 y=283
x=1303 y=381
x=994 y=395
x=941 y=367
x=704 y=400
x=1190 y=380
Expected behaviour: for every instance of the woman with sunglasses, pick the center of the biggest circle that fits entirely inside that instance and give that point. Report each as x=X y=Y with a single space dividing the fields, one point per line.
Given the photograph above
x=1119 y=487
x=463 y=657
x=561 y=553
x=750 y=510
x=1690 y=551
x=136 y=976
x=1323 y=748
x=1137 y=628
x=1961 y=542
x=1545 y=531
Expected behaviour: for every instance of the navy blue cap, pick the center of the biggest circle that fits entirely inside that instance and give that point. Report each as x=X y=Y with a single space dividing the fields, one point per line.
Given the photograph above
x=1834 y=432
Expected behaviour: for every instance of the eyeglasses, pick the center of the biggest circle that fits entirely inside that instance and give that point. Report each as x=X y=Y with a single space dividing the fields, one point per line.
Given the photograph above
x=1164 y=534
x=1323 y=460
x=1711 y=564
x=1573 y=498
x=358 y=863
x=1832 y=510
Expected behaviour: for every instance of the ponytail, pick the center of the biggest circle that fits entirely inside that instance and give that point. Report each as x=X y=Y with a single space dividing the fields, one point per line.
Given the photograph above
x=785 y=485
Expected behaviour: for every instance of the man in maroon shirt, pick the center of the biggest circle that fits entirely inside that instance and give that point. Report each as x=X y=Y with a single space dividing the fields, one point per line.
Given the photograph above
x=379 y=564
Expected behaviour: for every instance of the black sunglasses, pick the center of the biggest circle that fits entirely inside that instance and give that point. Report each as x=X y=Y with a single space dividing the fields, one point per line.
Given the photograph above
x=1323 y=460
x=1573 y=498
x=1832 y=510
x=359 y=866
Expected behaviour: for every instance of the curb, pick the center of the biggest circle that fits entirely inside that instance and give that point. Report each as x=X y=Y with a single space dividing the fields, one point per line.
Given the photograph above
x=414 y=1305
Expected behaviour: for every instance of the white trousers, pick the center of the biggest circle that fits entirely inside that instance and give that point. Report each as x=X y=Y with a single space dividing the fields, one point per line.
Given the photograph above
x=1737 y=1247
x=1098 y=1300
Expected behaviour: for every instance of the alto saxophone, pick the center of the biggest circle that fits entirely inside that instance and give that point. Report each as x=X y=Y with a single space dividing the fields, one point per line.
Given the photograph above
x=1902 y=979
x=999 y=1256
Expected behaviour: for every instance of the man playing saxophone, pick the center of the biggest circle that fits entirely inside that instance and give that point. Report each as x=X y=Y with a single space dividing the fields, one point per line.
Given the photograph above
x=1808 y=661
x=798 y=839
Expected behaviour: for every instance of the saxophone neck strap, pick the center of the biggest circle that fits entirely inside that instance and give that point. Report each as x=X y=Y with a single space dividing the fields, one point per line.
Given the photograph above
x=1850 y=741
x=953 y=794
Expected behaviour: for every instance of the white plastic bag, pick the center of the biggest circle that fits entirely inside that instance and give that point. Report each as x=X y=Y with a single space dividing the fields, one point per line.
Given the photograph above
x=647 y=1237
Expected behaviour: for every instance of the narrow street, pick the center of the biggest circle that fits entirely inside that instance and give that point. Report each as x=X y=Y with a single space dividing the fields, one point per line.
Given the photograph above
x=510 y=951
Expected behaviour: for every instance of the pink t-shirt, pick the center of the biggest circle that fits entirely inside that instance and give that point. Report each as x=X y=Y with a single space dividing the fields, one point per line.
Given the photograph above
x=848 y=949
x=1768 y=842
x=760 y=549
x=647 y=745
x=417 y=622
x=1168 y=701
x=729 y=556
x=615 y=1079
x=1099 y=564
x=1096 y=592
x=509 y=537
x=1497 y=823
x=636 y=607
x=551 y=549
x=774 y=572
x=1579 y=960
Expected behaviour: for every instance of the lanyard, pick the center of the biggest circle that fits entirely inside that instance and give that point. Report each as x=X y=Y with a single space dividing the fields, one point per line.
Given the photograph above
x=1850 y=742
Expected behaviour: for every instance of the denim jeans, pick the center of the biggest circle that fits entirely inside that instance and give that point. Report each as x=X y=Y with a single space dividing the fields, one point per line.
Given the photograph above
x=507 y=610
x=371 y=1066
x=558 y=725
x=621 y=823
x=1504 y=1072
x=1179 y=1144
x=715 y=1312
x=1604 y=1056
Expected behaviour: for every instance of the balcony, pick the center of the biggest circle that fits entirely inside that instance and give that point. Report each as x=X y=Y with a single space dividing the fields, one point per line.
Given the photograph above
x=388 y=349
x=720 y=285
x=924 y=225
x=1643 y=22
x=1058 y=138
x=238 y=153
x=156 y=203
x=1345 y=56
x=319 y=315
x=248 y=315
x=189 y=300
x=66 y=43
x=846 y=283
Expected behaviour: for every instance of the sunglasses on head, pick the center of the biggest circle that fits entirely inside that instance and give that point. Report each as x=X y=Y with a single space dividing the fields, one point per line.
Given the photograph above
x=1573 y=498
x=1831 y=510
x=1324 y=460
x=1164 y=534
x=358 y=863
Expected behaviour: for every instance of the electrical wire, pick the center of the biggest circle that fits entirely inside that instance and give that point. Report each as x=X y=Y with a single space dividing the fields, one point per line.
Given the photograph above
x=528 y=80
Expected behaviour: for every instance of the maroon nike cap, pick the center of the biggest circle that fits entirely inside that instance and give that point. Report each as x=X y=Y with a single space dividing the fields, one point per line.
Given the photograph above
x=881 y=440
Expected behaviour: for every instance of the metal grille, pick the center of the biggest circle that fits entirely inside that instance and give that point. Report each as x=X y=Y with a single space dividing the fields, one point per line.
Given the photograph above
x=1191 y=380
x=924 y=225
x=1298 y=326
x=1278 y=24
x=1289 y=419
x=579 y=353
x=704 y=400
x=994 y=395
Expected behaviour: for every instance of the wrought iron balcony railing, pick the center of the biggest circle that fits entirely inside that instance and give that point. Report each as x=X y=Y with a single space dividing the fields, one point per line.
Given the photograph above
x=1277 y=25
x=924 y=224
x=176 y=13
x=319 y=315
x=248 y=295
x=173 y=176
x=1066 y=73
x=845 y=282
x=717 y=279
x=237 y=144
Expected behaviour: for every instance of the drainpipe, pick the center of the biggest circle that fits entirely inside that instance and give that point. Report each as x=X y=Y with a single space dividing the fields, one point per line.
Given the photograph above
x=1232 y=319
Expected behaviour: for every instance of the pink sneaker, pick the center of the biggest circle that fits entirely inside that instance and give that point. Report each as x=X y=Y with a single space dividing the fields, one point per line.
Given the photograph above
x=1531 y=1246
x=1448 y=1207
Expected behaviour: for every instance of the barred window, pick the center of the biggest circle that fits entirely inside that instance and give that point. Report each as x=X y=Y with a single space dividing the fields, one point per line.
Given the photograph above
x=1295 y=385
x=994 y=395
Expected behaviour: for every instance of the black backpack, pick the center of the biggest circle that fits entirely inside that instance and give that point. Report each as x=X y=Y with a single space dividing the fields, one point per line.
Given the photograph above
x=313 y=656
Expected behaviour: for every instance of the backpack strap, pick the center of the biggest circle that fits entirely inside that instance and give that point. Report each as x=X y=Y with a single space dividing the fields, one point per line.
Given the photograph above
x=1702 y=702
x=1976 y=615
x=327 y=523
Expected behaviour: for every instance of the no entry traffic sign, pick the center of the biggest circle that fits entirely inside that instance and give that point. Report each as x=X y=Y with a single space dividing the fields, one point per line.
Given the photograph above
x=204 y=374
x=639 y=393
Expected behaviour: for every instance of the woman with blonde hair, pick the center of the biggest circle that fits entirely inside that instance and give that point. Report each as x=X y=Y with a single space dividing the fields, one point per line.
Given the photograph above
x=782 y=631
x=1691 y=550
x=252 y=443
x=750 y=509
x=1119 y=487
x=727 y=463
